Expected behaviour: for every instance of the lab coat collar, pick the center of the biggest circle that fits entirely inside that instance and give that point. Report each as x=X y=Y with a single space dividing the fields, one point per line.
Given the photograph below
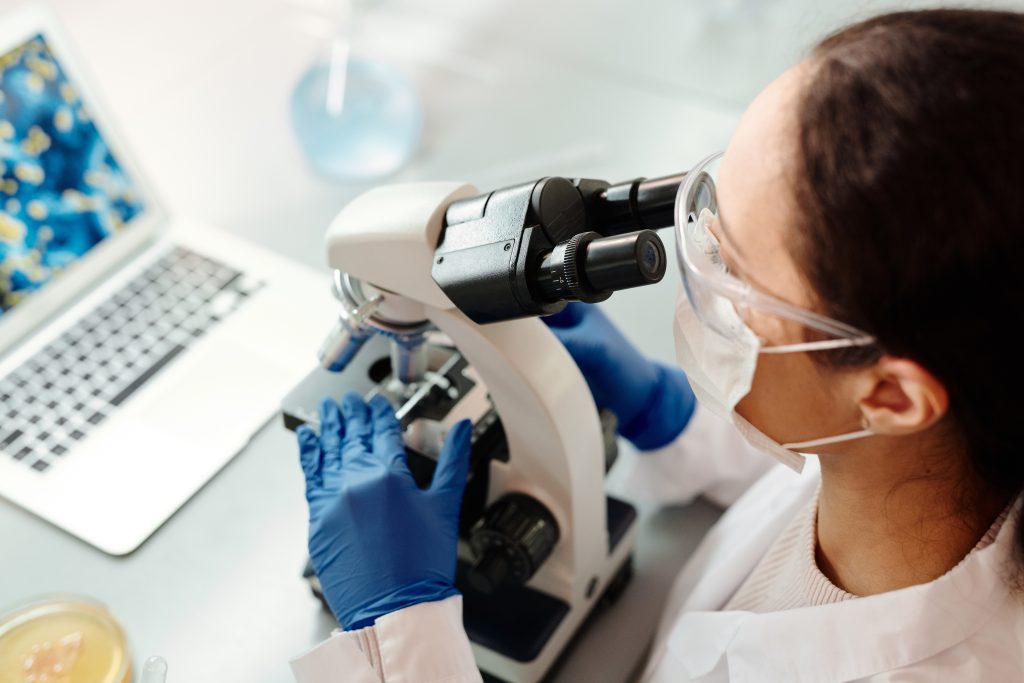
x=855 y=639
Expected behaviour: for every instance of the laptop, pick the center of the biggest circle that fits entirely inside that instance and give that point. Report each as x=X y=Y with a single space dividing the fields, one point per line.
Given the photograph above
x=138 y=351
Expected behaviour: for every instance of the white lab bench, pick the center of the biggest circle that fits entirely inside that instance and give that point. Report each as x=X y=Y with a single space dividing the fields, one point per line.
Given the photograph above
x=511 y=91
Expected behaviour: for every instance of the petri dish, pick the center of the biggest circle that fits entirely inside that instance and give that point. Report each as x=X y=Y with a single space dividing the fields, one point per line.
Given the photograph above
x=63 y=640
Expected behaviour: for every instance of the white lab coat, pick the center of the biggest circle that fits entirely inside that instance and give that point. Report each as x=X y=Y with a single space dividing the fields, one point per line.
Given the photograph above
x=965 y=626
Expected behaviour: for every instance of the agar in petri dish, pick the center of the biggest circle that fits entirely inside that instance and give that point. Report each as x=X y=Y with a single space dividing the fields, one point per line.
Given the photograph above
x=63 y=640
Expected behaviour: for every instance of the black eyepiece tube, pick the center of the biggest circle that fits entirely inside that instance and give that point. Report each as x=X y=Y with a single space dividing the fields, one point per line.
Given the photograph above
x=636 y=204
x=589 y=267
x=625 y=261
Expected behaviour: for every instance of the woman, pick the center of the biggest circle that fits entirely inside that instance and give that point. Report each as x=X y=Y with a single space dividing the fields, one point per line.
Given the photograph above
x=849 y=287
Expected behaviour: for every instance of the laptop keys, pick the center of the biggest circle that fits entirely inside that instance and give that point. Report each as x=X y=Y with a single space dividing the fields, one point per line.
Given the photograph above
x=70 y=387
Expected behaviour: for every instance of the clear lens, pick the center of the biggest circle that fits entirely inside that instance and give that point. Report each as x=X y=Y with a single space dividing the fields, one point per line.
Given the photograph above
x=701 y=249
x=705 y=276
x=718 y=298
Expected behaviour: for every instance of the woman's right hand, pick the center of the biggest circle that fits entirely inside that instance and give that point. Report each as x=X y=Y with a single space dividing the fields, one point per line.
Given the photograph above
x=377 y=541
x=653 y=402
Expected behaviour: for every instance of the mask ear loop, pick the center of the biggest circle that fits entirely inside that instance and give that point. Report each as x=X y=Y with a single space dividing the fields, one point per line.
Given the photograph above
x=840 y=438
x=865 y=430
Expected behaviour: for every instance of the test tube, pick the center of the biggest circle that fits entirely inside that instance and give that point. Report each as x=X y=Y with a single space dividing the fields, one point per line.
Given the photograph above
x=154 y=670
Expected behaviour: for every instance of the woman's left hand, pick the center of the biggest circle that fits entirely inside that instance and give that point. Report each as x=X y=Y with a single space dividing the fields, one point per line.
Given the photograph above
x=379 y=543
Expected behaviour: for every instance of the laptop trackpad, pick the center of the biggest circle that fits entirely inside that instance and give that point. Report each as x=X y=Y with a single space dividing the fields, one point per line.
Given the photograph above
x=216 y=400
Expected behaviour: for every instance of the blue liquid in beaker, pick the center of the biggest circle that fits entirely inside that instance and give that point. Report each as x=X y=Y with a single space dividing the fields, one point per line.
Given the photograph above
x=375 y=132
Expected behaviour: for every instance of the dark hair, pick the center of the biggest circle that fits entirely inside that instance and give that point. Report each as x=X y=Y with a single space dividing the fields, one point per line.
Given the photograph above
x=910 y=182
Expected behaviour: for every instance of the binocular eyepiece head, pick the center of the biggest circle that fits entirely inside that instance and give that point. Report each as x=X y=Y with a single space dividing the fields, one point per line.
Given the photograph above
x=528 y=249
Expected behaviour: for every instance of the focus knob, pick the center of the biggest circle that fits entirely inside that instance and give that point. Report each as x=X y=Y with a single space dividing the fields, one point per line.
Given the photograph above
x=510 y=542
x=561 y=271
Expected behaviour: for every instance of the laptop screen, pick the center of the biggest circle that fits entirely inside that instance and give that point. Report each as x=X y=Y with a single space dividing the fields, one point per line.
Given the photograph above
x=62 y=192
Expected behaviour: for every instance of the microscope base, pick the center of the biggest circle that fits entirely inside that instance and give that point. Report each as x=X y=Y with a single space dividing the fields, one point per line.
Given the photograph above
x=609 y=597
x=520 y=635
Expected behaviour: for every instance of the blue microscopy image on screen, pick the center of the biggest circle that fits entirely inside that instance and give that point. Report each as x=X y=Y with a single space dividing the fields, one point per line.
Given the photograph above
x=61 y=190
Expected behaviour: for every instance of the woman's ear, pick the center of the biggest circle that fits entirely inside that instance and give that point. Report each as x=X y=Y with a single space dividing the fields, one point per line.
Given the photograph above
x=901 y=397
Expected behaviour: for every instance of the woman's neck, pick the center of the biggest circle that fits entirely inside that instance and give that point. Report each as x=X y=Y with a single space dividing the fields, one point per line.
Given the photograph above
x=889 y=518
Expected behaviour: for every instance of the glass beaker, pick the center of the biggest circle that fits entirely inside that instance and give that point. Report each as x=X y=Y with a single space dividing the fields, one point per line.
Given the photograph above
x=355 y=117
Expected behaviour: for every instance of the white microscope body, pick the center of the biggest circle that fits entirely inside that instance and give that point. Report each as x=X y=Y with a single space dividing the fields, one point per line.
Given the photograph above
x=386 y=239
x=439 y=289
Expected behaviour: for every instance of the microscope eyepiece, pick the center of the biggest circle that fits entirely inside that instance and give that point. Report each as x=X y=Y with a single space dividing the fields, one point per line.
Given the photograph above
x=589 y=267
x=641 y=203
x=624 y=261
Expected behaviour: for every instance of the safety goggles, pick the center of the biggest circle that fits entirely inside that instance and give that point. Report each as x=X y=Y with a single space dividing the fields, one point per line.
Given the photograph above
x=715 y=294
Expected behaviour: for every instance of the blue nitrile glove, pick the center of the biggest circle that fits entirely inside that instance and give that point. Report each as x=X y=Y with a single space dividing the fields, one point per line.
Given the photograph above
x=653 y=402
x=379 y=543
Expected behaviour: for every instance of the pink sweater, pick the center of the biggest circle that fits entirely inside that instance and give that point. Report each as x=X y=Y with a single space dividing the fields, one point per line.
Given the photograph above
x=787 y=577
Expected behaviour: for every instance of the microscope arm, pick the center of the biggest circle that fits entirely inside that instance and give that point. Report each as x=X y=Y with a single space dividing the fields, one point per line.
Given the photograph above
x=554 y=436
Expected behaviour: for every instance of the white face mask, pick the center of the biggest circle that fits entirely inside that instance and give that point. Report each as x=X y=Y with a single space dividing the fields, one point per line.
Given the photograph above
x=721 y=370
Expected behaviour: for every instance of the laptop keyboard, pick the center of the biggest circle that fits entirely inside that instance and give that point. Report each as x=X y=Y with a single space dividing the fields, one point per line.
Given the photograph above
x=64 y=391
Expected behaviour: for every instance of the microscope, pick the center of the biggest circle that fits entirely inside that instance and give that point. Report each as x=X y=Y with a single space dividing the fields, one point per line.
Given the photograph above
x=439 y=288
